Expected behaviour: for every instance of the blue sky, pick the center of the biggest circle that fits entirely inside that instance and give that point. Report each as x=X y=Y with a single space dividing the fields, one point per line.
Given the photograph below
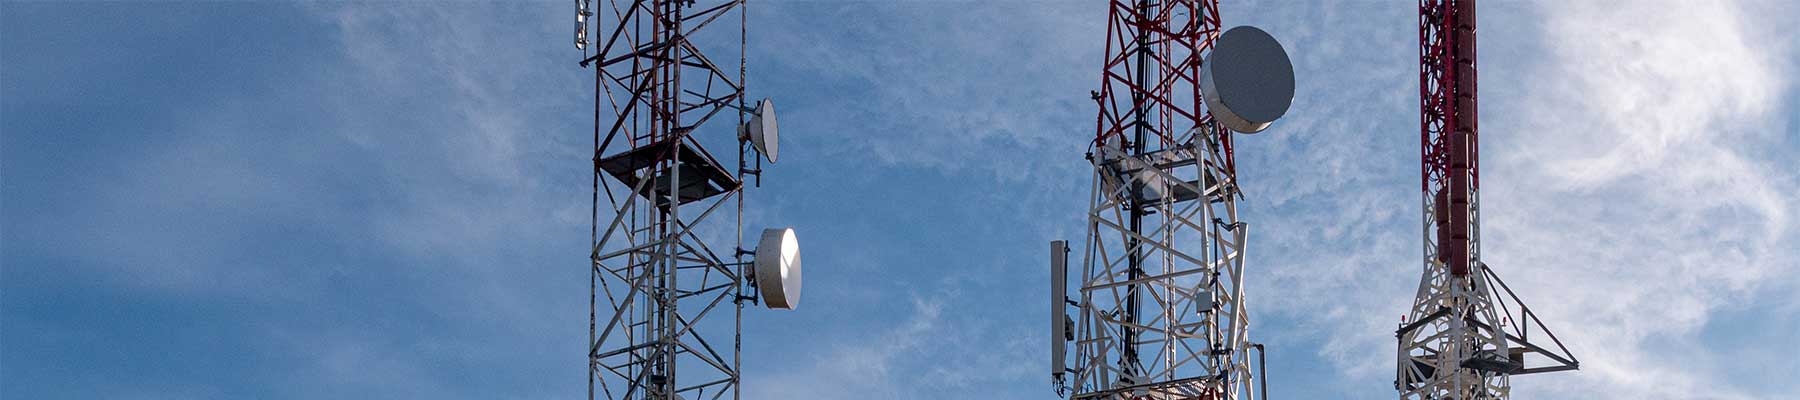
x=388 y=200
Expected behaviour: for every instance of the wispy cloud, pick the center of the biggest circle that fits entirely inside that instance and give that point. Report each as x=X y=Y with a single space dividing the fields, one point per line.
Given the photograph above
x=1640 y=200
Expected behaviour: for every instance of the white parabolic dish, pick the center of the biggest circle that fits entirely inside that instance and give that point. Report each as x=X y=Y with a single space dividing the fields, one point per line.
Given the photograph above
x=762 y=130
x=1247 y=80
x=778 y=268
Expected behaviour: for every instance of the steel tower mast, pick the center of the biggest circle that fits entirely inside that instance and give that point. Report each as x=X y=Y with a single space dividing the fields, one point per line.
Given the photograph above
x=654 y=280
x=1160 y=310
x=1460 y=340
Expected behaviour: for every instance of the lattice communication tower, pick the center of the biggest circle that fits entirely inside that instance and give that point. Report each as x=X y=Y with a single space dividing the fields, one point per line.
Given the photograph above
x=1460 y=340
x=667 y=296
x=1160 y=309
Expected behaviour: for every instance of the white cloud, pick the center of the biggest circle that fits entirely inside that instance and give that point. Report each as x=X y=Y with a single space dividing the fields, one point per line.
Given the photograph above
x=1630 y=187
x=1636 y=198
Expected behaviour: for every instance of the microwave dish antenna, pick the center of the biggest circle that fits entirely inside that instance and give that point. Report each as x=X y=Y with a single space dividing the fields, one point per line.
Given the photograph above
x=778 y=268
x=1248 y=82
x=761 y=130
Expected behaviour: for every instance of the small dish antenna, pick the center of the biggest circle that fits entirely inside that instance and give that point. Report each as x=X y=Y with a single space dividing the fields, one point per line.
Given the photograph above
x=778 y=268
x=1248 y=81
x=761 y=130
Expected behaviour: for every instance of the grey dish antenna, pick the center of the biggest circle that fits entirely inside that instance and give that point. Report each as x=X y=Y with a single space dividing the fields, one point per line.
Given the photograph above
x=778 y=268
x=761 y=130
x=1248 y=81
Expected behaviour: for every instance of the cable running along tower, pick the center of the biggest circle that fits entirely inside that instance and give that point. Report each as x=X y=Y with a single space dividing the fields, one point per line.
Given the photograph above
x=1467 y=333
x=667 y=296
x=1160 y=311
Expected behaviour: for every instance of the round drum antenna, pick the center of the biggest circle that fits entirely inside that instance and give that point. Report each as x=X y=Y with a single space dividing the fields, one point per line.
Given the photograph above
x=1247 y=81
x=778 y=268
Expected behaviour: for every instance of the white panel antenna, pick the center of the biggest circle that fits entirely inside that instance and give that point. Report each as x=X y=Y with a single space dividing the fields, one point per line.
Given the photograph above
x=582 y=11
x=1059 y=328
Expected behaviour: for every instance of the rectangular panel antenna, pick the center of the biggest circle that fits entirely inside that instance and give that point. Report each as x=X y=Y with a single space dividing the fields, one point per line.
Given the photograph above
x=1059 y=282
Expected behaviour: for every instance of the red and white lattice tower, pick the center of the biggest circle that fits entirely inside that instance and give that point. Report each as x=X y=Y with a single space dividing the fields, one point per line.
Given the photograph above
x=1160 y=310
x=1467 y=333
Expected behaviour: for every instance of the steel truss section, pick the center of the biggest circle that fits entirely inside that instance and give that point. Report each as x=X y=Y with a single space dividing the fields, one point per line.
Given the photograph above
x=1162 y=312
x=1456 y=341
x=1161 y=302
x=1150 y=89
x=655 y=280
x=1468 y=335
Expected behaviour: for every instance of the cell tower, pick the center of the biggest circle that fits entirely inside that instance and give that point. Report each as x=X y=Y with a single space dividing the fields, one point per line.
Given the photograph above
x=1160 y=311
x=1460 y=340
x=652 y=271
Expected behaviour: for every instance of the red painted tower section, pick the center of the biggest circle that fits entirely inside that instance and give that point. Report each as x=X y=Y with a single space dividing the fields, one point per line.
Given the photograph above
x=1150 y=98
x=1449 y=125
